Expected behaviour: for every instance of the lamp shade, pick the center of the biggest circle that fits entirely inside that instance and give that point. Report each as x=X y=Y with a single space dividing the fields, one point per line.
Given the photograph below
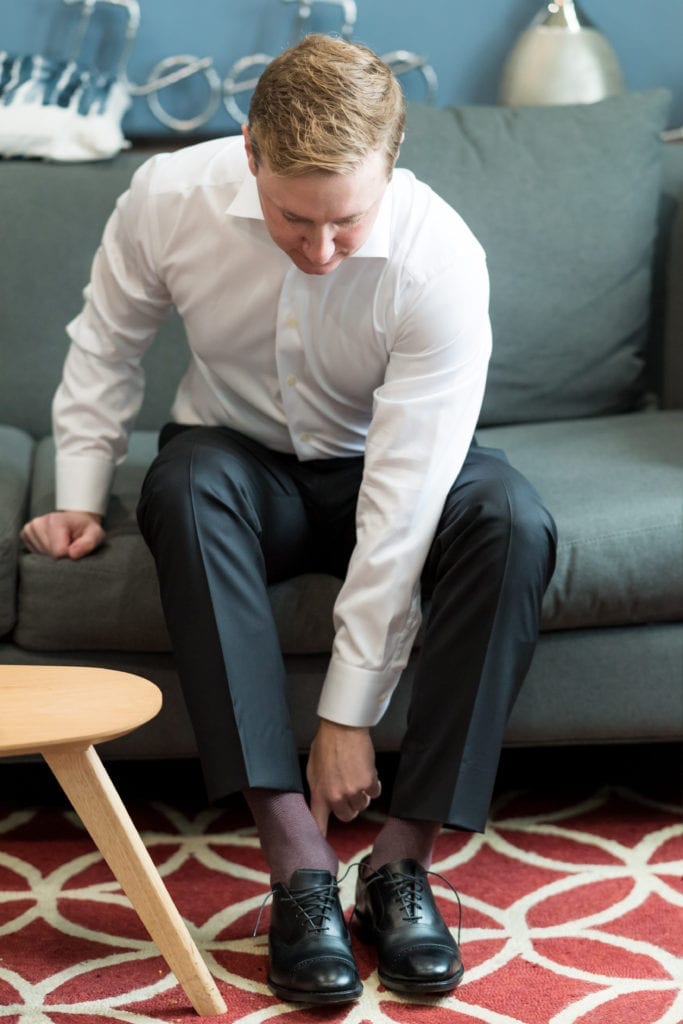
x=560 y=58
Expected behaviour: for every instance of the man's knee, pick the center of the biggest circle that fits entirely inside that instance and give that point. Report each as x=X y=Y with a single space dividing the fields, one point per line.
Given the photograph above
x=522 y=525
x=532 y=529
x=501 y=511
x=186 y=478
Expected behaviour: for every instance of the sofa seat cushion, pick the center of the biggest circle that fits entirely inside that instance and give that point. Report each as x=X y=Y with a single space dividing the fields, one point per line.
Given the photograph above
x=615 y=488
x=16 y=450
x=110 y=600
x=107 y=601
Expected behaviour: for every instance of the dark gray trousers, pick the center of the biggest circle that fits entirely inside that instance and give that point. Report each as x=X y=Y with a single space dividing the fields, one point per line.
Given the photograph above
x=224 y=517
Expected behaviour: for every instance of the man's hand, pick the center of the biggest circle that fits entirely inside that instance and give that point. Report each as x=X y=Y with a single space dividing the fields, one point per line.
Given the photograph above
x=341 y=772
x=63 y=534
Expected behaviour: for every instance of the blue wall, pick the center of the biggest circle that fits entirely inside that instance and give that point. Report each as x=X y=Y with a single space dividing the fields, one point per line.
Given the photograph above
x=465 y=42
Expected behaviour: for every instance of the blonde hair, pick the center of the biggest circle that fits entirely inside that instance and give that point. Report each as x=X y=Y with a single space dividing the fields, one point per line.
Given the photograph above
x=324 y=105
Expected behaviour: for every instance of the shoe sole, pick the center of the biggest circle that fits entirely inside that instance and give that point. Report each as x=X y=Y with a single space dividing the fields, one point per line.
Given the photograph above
x=423 y=987
x=289 y=995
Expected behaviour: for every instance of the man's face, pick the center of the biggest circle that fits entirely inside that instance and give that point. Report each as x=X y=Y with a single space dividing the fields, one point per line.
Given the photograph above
x=319 y=219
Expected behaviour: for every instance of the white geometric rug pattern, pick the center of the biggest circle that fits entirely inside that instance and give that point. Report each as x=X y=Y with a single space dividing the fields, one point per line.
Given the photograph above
x=572 y=914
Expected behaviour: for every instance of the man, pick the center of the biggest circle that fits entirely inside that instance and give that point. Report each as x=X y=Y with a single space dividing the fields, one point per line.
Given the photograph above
x=337 y=315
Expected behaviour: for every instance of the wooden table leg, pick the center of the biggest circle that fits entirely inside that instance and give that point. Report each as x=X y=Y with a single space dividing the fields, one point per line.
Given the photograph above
x=85 y=781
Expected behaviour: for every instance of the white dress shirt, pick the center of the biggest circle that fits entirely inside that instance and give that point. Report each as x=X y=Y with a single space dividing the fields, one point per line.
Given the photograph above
x=386 y=355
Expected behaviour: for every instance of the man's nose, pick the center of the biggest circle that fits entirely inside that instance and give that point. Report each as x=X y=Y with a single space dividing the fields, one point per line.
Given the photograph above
x=319 y=245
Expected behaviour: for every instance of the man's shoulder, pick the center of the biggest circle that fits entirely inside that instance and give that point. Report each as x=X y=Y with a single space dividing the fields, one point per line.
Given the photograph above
x=427 y=231
x=216 y=163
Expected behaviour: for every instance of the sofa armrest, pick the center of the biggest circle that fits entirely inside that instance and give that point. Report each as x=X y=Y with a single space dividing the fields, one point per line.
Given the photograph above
x=16 y=454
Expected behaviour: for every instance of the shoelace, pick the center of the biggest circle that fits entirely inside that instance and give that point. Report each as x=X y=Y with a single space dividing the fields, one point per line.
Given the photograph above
x=319 y=900
x=408 y=890
x=315 y=904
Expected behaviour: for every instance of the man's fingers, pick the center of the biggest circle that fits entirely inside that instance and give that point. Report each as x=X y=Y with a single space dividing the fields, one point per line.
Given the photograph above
x=321 y=813
x=62 y=534
x=350 y=807
x=375 y=789
x=27 y=540
x=341 y=773
x=86 y=542
x=80 y=547
x=363 y=802
x=43 y=536
x=345 y=808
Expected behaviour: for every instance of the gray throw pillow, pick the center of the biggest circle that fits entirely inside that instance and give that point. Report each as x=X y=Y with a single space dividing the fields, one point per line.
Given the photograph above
x=564 y=200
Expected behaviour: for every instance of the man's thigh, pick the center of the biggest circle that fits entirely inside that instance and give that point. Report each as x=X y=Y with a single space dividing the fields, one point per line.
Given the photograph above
x=211 y=474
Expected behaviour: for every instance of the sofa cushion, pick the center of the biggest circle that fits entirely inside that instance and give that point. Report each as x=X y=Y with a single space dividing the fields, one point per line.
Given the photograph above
x=615 y=488
x=564 y=200
x=16 y=449
x=110 y=600
x=107 y=601
x=54 y=214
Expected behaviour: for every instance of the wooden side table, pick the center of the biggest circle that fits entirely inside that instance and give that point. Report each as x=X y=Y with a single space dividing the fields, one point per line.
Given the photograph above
x=60 y=712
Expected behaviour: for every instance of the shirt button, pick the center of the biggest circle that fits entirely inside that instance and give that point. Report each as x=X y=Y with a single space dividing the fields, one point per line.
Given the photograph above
x=382 y=697
x=291 y=321
x=291 y=380
x=305 y=437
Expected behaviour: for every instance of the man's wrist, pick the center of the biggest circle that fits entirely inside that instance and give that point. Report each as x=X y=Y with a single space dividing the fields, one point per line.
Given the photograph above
x=326 y=724
x=97 y=516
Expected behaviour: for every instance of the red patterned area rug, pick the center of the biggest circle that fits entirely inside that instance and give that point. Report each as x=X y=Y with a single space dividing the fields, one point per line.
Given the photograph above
x=572 y=914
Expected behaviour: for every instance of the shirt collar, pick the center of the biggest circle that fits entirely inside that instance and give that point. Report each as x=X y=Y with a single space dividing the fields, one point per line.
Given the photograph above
x=247 y=204
x=377 y=242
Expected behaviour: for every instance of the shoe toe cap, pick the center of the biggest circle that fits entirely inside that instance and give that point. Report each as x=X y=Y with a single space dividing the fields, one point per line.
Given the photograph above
x=427 y=964
x=329 y=976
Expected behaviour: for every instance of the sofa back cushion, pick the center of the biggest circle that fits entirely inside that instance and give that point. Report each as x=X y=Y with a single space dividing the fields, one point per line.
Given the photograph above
x=565 y=201
x=52 y=218
x=563 y=198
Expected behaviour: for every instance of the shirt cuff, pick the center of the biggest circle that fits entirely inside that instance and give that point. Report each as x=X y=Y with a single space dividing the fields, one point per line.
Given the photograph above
x=356 y=696
x=83 y=483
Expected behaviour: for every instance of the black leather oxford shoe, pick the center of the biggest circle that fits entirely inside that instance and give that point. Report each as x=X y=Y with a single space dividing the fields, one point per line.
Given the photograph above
x=310 y=946
x=395 y=910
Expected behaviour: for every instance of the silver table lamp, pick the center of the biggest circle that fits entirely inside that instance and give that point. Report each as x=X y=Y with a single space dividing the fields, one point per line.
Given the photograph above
x=560 y=58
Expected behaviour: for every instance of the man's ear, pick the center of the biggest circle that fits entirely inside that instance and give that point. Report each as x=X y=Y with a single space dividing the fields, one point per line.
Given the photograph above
x=253 y=167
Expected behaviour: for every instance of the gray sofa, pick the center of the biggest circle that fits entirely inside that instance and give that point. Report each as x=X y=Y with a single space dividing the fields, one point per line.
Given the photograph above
x=578 y=208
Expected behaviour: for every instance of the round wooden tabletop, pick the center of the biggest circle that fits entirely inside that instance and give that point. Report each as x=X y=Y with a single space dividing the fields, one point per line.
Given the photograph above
x=45 y=706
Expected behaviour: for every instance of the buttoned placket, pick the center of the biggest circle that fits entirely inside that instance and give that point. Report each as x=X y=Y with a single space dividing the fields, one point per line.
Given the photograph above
x=289 y=353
